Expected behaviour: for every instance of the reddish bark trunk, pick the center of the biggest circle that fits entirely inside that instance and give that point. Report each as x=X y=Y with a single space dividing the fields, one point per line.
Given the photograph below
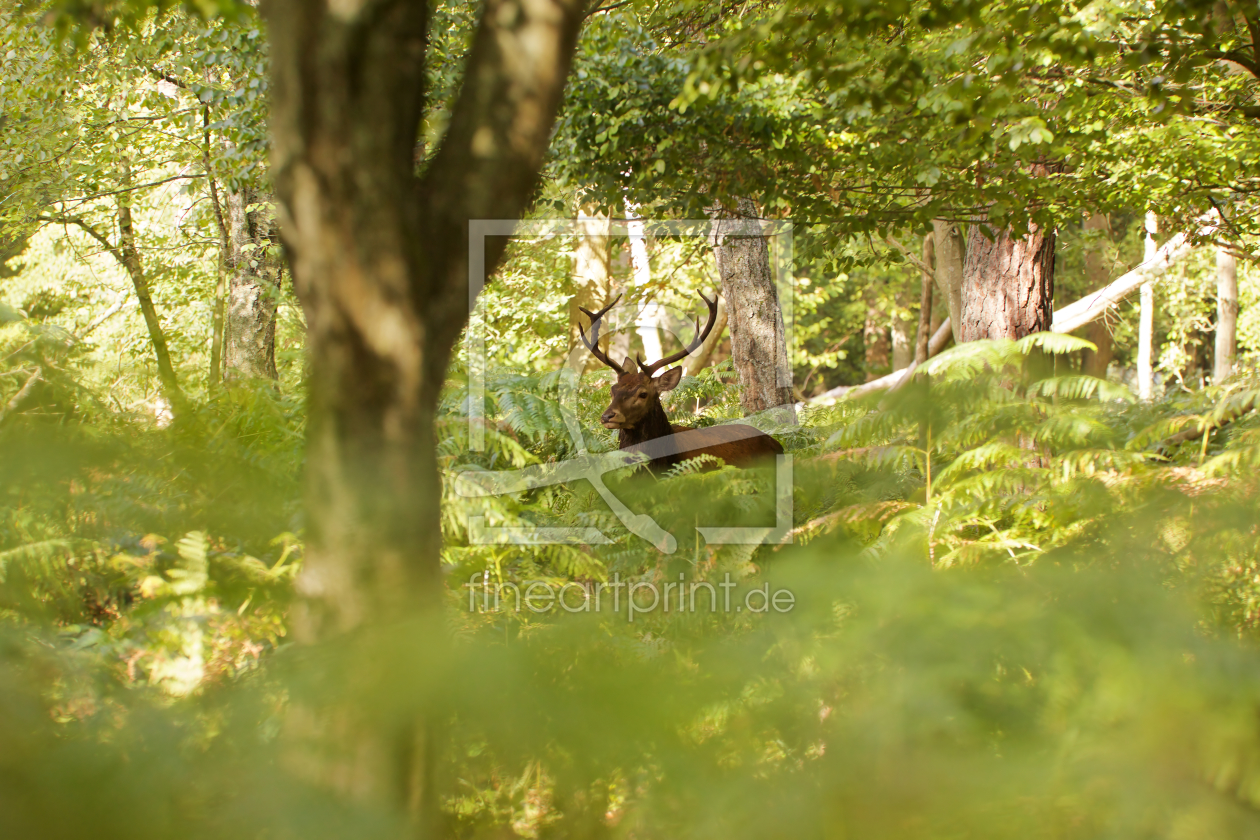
x=1008 y=285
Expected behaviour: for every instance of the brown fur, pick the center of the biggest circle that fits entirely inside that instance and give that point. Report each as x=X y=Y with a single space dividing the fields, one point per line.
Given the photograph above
x=636 y=412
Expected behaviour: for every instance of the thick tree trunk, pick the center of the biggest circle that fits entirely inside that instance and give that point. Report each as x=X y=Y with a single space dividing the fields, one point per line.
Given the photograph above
x=758 y=343
x=1008 y=285
x=1146 y=324
x=1097 y=276
x=253 y=289
x=381 y=264
x=950 y=261
x=1226 y=315
x=926 y=328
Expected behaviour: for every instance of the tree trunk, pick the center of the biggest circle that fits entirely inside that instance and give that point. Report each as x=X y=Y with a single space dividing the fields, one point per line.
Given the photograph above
x=216 y=328
x=381 y=264
x=902 y=332
x=649 y=321
x=875 y=339
x=225 y=244
x=1226 y=315
x=253 y=289
x=925 y=329
x=950 y=264
x=699 y=360
x=1008 y=285
x=592 y=277
x=1097 y=276
x=129 y=255
x=755 y=319
x=1146 y=327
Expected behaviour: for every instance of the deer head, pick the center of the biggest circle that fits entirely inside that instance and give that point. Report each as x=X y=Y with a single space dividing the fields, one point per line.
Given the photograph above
x=636 y=395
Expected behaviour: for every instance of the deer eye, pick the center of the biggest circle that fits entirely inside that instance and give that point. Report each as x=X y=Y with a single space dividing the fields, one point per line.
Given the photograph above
x=643 y=395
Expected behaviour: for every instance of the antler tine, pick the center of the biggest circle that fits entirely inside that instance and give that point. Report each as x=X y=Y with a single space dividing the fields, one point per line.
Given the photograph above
x=701 y=335
x=593 y=343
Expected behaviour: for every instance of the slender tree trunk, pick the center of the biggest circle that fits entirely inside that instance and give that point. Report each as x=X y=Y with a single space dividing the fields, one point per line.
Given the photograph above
x=649 y=320
x=1097 y=276
x=699 y=360
x=1008 y=285
x=253 y=290
x=925 y=330
x=129 y=256
x=1146 y=328
x=875 y=342
x=592 y=277
x=758 y=343
x=220 y=286
x=950 y=261
x=1226 y=314
x=216 y=330
x=902 y=332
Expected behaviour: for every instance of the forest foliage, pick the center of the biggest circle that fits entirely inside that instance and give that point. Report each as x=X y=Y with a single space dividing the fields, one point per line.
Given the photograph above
x=1025 y=603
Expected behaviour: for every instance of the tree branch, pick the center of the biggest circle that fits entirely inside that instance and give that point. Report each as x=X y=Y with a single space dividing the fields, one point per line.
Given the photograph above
x=1094 y=305
x=122 y=190
x=490 y=159
x=911 y=257
x=90 y=230
x=939 y=341
x=22 y=394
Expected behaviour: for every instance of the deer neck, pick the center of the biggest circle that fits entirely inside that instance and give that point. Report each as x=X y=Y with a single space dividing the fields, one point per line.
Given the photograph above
x=655 y=424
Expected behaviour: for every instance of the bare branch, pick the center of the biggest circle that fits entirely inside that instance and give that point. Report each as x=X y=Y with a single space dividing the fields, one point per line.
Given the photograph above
x=910 y=256
x=22 y=394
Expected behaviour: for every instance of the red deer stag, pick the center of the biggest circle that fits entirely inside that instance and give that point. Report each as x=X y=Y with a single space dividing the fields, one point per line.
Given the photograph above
x=636 y=410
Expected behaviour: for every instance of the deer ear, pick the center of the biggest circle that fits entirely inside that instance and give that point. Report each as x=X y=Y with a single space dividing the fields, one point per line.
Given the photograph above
x=668 y=380
x=628 y=364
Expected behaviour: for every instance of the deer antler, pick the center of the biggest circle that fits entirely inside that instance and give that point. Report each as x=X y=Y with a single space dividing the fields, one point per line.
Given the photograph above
x=593 y=344
x=651 y=369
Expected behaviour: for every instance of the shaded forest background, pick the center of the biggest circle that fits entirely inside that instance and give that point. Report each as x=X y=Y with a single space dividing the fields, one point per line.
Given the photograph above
x=239 y=555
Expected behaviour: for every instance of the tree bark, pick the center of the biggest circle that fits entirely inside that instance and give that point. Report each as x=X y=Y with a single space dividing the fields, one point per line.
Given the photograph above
x=754 y=316
x=592 y=277
x=699 y=360
x=648 y=323
x=1226 y=315
x=1146 y=326
x=253 y=289
x=220 y=286
x=925 y=329
x=1097 y=276
x=950 y=254
x=902 y=332
x=128 y=254
x=1008 y=285
x=380 y=261
x=875 y=345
